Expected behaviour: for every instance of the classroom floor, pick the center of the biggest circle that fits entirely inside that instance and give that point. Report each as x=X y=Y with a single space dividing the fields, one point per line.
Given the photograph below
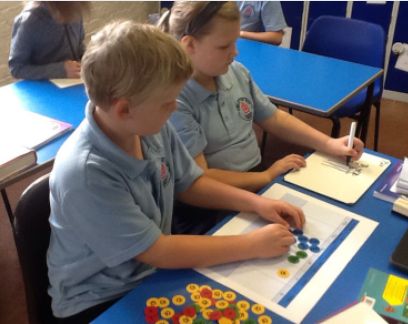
x=393 y=141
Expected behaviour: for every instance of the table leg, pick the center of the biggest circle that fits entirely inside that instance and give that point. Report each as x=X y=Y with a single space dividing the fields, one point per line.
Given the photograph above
x=362 y=127
x=7 y=206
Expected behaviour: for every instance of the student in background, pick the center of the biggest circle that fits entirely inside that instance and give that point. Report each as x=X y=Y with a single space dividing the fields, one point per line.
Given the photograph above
x=262 y=21
x=114 y=179
x=47 y=40
x=219 y=104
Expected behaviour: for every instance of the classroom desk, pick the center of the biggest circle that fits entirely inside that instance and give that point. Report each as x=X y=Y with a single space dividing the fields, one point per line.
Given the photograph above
x=307 y=82
x=45 y=98
x=344 y=291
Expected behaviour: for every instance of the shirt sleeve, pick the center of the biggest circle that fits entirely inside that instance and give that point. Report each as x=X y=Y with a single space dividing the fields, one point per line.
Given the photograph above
x=185 y=169
x=272 y=16
x=21 y=48
x=263 y=107
x=108 y=220
x=188 y=128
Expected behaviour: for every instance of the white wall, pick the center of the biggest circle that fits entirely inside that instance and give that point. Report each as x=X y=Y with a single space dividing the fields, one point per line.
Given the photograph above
x=101 y=12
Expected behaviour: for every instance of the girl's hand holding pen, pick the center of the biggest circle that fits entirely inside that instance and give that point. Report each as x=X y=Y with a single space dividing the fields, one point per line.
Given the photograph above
x=339 y=147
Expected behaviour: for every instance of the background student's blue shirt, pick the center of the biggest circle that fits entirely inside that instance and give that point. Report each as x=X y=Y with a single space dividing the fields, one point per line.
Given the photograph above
x=106 y=208
x=39 y=44
x=220 y=124
x=260 y=16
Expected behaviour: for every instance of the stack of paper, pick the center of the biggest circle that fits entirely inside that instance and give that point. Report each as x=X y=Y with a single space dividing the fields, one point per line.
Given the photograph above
x=401 y=206
x=387 y=189
x=29 y=129
x=402 y=182
x=14 y=158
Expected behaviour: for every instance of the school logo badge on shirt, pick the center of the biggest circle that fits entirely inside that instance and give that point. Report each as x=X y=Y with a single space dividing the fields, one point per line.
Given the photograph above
x=244 y=106
x=248 y=11
x=164 y=172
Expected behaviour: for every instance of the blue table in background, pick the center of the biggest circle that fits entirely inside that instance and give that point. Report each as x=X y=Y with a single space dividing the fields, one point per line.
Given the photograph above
x=45 y=98
x=374 y=253
x=307 y=82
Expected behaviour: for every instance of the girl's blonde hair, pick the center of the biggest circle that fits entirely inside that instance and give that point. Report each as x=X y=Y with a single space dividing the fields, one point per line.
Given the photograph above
x=195 y=17
x=130 y=60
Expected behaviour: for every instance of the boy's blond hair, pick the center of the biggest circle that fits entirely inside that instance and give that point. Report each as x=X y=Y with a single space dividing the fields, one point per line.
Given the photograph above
x=130 y=60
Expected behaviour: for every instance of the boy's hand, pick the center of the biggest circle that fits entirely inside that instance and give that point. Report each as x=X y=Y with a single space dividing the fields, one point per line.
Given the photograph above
x=338 y=147
x=72 y=69
x=271 y=241
x=291 y=161
x=281 y=212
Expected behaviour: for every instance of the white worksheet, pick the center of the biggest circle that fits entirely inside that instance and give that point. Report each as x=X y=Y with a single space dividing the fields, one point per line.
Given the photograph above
x=331 y=177
x=290 y=285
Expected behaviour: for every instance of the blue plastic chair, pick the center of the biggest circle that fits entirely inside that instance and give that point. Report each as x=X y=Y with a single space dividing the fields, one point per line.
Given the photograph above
x=356 y=41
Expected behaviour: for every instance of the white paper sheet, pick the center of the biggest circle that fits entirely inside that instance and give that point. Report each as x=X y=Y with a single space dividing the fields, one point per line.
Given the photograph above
x=324 y=222
x=29 y=129
x=331 y=176
x=65 y=83
x=359 y=313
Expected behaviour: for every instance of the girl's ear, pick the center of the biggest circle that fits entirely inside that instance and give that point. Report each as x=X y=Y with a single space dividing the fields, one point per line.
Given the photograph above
x=188 y=43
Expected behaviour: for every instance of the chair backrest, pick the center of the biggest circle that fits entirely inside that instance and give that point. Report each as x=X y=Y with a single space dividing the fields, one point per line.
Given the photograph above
x=347 y=39
x=32 y=236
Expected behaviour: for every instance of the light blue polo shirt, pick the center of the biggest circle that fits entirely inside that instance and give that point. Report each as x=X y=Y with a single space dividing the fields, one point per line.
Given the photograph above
x=106 y=208
x=220 y=124
x=260 y=16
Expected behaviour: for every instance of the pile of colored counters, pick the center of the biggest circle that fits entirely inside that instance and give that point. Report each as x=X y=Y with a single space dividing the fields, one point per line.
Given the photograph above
x=204 y=305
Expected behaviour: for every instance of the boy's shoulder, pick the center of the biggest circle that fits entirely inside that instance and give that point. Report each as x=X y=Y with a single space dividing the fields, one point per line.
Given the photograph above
x=86 y=153
x=73 y=154
x=81 y=162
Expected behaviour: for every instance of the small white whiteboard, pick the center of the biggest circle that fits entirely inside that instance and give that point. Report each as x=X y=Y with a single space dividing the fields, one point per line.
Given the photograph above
x=331 y=177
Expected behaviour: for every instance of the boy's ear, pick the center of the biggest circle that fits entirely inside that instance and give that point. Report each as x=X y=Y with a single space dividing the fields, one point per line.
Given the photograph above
x=188 y=43
x=121 y=108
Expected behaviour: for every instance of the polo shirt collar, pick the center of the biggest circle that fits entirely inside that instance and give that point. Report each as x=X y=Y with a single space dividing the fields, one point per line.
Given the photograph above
x=224 y=83
x=128 y=164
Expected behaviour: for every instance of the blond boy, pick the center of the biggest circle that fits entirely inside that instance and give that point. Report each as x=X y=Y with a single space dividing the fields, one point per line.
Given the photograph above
x=114 y=180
